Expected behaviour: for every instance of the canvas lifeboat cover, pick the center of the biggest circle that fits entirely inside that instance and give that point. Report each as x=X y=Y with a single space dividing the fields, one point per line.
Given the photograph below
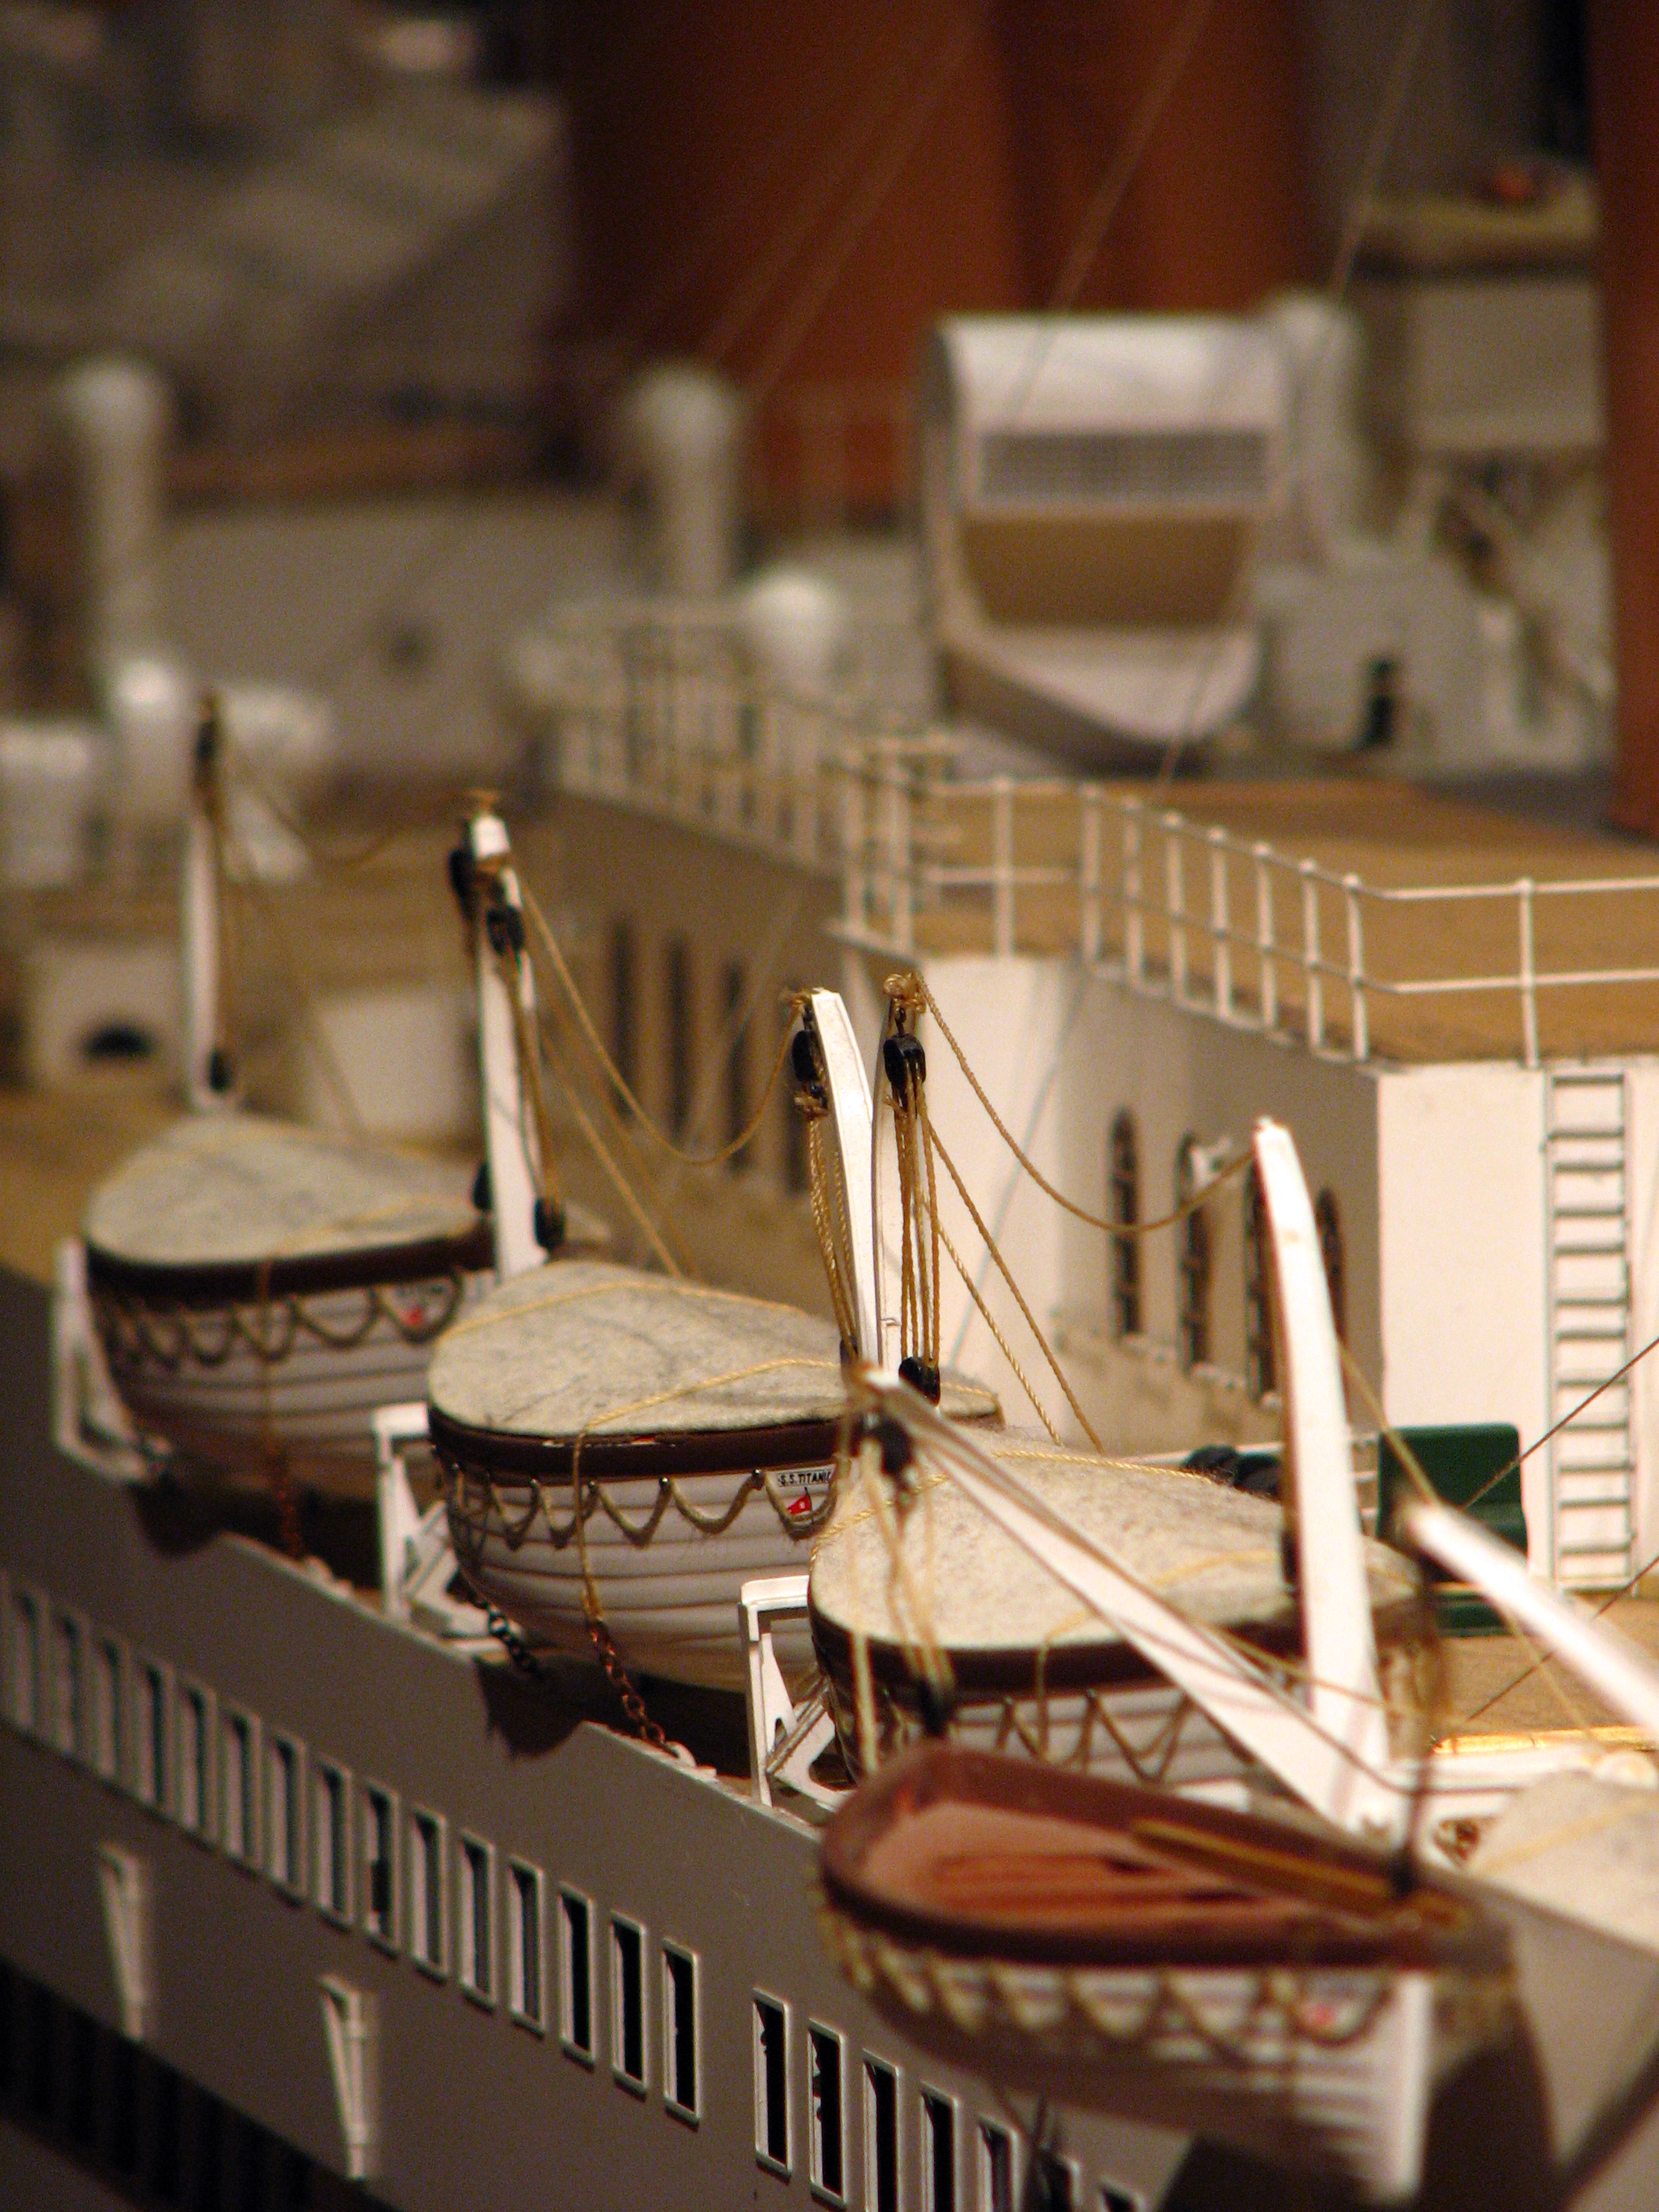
x=596 y=1350
x=238 y=1192
x=1212 y=1552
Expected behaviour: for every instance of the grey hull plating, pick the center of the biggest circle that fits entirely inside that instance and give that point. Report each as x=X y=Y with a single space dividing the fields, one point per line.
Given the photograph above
x=470 y=2107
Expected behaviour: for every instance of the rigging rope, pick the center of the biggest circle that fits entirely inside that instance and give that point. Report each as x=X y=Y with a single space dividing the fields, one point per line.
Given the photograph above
x=1396 y=85
x=833 y=177
x=912 y=987
x=585 y=1022
x=902 y=144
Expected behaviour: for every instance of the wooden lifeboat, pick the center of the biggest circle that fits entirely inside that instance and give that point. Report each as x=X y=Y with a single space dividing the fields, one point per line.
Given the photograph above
x=959 y=1626
x=259 y=1288
x=622 y=1450
x=1280 y=1987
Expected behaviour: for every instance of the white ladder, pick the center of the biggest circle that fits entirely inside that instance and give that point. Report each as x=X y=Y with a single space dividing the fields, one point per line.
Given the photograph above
x=1587 y=1190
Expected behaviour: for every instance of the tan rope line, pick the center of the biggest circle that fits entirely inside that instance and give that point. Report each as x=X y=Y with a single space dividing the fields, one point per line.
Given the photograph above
x=834 y=175
x=1413 y=1466
x=347 y=859
x=1286 y=1664
x=1120 y=170
x=1566 y=1421
x=1262 y=1664
x=1395 y=86
x=762 y=958
x=579 y=1007
x=619 y=1181
x=635 y=1286
x=915 y=986
x=830 y=1249
x=1540 y=1663
x=627 y=1168
x=902 y=140
x=1002 y=1267
x=316 y=1037
x=1002 y=1343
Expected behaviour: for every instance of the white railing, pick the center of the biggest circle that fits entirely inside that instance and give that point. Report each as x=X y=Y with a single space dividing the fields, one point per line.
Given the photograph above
x=650 y=705
x=660 y=709
x=1228 y=926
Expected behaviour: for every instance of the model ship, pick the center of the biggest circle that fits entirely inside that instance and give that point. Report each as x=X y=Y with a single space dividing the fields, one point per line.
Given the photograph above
x=357 y=1873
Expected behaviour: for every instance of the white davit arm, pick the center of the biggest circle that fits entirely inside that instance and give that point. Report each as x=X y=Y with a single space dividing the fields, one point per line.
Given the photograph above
x=851 y=1123
x=206 y=1072
x=1318 y=1765
x=1618 y=1671
x=1321 y=1508
x=511 y=1144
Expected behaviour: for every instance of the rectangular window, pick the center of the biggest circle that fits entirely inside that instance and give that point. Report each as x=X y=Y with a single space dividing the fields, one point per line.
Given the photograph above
x=772 y=2083
x=380 y=1865
x=332 y=1814
x=68 y=1686
x=576 y=1975
x=736 y=1056
x=195 y=1731
x=1054 y=2183
x=105 y=1701
x=881 y=2143
x=428 y=1925
x=679 y=2032
x=628 y=2002
x=239 y=1787
x=149 y=1722
x=996 y=2168
x=938 y=2152
x=23 y=1661
x=826 y=2099
x=624 y=1008
x=285 y=1815
x=475 y=1868
x=682 y=1081
x=523 y=1944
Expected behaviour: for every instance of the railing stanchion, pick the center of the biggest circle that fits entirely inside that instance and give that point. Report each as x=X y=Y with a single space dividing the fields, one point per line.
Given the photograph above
x=1358 y=1023
x=1529 y=978
x=1267 y=968
x=1311 y=965
x=1175 y=904
x=1222 y=953
x=1089 y=871
x=854 y=856
x=1134 y=931
x=904 y=886
x=1002 y=866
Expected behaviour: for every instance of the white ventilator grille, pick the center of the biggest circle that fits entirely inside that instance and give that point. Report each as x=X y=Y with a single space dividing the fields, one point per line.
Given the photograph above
x=1122 y=468
x=1591 y=1461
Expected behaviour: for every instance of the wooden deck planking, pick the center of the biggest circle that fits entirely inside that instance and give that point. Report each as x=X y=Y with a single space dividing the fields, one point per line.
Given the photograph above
x=1392 y=836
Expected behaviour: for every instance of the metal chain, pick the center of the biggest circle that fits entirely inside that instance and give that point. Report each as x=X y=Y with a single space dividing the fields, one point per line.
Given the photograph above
x=606 y=1651
x=524 y=1660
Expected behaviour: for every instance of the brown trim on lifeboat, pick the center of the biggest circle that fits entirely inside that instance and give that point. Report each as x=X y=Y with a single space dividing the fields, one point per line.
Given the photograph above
x=309 y=1274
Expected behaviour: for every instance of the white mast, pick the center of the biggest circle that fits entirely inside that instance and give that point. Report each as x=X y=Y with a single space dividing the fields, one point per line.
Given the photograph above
x=204 y=1063
x=512 y=1141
